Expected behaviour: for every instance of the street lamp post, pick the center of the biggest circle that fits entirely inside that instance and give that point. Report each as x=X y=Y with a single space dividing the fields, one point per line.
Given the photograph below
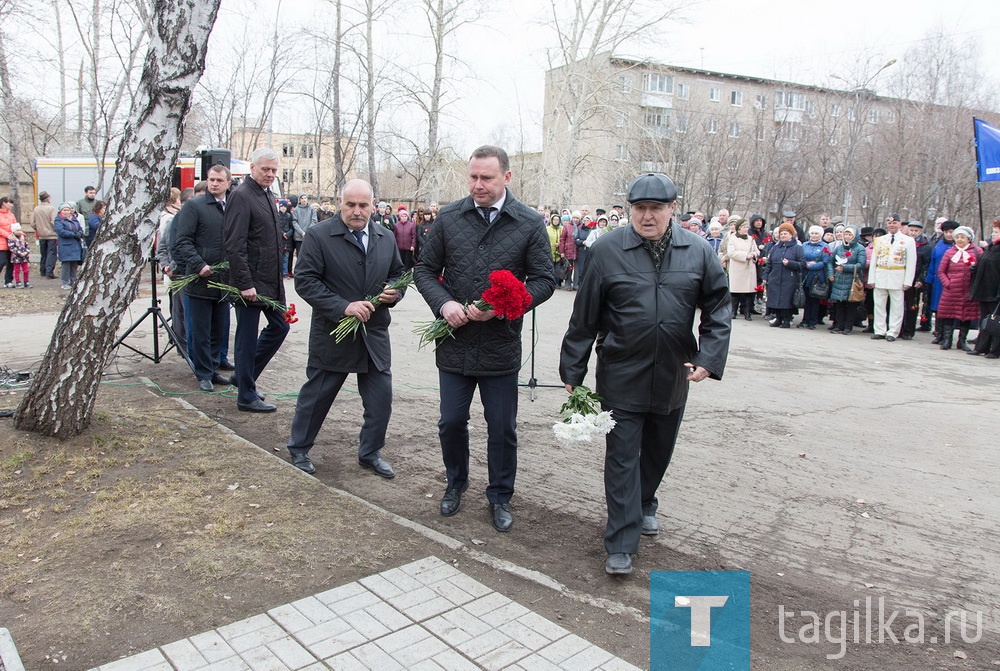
x=856 y=124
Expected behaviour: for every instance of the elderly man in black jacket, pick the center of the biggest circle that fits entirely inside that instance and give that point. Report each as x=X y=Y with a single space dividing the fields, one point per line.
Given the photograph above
x=254 y=247
x=490 y=230
x=197 y=233
x=341 y=261
x=638 y=300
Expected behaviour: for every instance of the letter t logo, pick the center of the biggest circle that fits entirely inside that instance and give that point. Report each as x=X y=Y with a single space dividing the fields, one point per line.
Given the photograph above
x=701 y=616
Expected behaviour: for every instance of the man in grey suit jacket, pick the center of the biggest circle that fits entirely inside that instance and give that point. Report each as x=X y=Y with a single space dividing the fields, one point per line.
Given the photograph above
x=255 y=247
x=343 y=260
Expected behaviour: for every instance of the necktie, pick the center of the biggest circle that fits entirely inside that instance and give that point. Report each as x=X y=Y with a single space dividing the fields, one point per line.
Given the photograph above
x=892 y=239
x=488 y=213
x=222 y=205
x=360 y=236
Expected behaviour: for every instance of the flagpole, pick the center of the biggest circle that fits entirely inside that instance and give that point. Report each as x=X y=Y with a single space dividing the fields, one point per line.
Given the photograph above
x=979 y=185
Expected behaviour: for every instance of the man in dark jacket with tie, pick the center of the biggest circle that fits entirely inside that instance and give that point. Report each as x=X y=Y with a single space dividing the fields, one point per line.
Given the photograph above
x=343 y=260
x=490 y=230
x=254 y=247
x=197 y=231
x=638 y=301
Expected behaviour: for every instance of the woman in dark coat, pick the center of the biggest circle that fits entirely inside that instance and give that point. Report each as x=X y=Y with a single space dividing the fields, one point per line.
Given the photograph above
x=71 y=243
x=956 y=310
x=986 y=291
x=846 y=262
x=782 y=274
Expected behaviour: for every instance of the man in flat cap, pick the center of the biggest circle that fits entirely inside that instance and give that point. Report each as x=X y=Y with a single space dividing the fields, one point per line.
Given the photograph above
x=638 y=301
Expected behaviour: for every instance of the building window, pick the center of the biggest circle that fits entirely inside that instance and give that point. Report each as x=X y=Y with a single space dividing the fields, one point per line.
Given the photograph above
x=656 y=117
x=680 y=158
x=683 y=91
x=287 y=176
x=288 y=150
x=307 y=151
x=835 y=110
x=656 y=83
x=714 y=94
x=708 y=191
x=761 y=134
x=712 y=126
x=682 y=123
x=307 y=175
x=811 y=109
x=755 y=197
x=734 y=164
x=852 y=114
x=760 y=101
x=621 y=119
x=872 y=116
x=625 y=84
x=734 y=129
x=890 y=117
x=789 y=99
x=653 y=166
x=736 y=98
x=621 y=152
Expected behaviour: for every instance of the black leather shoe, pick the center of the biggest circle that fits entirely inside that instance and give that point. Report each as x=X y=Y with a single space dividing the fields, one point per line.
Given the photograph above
x=303 y=463
x=205 y=385
x=227 y=365
x=452 y=501
x=905 y=337
x=256 y=406
x=219 y=379
x=380 y=466
x=879 y=336
x=890 y=338
x=502 y=519
x=618 y=563
x=650 y=527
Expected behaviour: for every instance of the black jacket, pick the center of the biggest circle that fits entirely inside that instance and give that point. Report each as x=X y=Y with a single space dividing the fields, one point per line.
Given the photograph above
x=465 y=249
x=197 y=241
x=986 y=280
x=253 y=241
x=924 y=249
x=333 y=271
x=642 y=320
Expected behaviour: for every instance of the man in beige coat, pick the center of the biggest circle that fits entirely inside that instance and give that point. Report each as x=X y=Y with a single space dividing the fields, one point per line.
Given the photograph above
x=42 y=219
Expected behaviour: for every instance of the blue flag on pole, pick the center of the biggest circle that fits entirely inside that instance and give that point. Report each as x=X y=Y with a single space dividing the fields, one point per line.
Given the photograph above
x=987 y=151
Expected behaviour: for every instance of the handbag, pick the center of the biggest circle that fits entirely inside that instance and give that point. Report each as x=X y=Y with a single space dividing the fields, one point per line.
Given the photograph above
x=799 y=295
x=991 y=323
x=820 y=288
x=857 y=294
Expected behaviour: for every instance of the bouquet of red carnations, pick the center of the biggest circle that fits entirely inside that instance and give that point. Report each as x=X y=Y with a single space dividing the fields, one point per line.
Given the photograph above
x=506 y=296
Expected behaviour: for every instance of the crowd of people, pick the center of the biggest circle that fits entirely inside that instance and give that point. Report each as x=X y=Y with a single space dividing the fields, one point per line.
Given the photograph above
x=889 y=281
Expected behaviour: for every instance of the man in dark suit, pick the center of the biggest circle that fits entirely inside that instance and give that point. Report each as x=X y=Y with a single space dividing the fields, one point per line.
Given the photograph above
x=254 y=247
x=490 y=230
x=341 y=261
x=197 y=246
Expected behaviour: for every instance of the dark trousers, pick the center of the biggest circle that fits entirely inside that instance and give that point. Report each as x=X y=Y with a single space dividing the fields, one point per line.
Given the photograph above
x=207 y=319
x=911 y=311
x=253 y=351
x=317 y=396
x=178 y=318
x=292 y=251
x=638 y=453
x=406 y=256
x=743 y=304
x=925 y=310
x=810 y=314
x=499 y=397
x=6 y=266
x=844 y=314
x=47 y=257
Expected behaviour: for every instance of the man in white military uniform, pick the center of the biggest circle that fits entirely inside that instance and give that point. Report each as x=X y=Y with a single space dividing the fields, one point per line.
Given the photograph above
x=894 y=263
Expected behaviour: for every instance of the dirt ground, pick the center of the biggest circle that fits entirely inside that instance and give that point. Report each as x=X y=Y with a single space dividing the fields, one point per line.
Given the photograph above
x=151 y=525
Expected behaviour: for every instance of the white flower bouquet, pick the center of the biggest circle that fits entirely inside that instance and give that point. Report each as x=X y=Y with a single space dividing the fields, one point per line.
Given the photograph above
x=583 y=420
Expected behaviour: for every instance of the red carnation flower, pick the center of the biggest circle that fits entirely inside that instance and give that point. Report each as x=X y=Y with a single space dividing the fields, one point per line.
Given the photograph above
x=826 y=250
x=507 y=295
x=289 y=315
x=847 y=255
x=767 y=238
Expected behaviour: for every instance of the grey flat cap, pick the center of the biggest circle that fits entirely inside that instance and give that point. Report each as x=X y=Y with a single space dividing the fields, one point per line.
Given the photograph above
x=652 y=186
x=788 y=214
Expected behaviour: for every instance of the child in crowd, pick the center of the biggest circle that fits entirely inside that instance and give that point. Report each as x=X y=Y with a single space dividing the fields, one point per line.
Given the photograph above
x=20 y=248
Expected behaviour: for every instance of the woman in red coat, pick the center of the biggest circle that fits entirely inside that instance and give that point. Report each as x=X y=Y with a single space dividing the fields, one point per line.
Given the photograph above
x=955 y=273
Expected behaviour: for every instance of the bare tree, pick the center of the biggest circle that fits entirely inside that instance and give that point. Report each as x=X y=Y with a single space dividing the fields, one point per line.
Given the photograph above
x=8 y=108
x=60 y=401
x=588 y=33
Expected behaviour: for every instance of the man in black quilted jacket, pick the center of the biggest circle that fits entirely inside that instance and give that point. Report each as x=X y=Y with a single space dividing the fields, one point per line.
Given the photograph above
x=490 y=230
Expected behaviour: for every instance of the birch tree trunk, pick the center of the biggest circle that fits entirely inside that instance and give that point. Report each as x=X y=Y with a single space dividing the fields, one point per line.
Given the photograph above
x=61 y=399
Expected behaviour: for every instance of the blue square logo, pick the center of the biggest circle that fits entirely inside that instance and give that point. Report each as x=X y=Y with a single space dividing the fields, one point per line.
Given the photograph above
x=699 y=621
